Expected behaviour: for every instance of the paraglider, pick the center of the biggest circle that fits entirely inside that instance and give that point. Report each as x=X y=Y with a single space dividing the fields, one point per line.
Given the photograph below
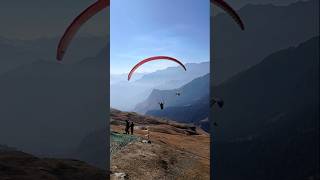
x=102 y=4
x=153 y=59
x=161 y=105
x=217 y=101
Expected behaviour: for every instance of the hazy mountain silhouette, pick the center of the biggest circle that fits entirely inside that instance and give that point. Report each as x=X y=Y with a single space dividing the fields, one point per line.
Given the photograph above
x=283 y=80
x=239 y=4
x=15 y=53
x=193 y=113
x=120 y=78
x=190 y=94
x=138 y=90
x=269 y=28
x=270 y=118
x=174 y=77
x=273 y=80
x=47 y=108
x=11 y=56
x=92 y=148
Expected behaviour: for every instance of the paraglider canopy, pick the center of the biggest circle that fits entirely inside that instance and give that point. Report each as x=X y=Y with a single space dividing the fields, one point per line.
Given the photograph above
x=77 y=23
x=153 y=59
x=226 y=7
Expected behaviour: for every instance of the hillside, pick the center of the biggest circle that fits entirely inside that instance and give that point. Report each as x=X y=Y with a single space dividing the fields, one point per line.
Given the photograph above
x=192 y=106
x=190 y=93
x=284 y=80
x=245 y=94
x=178 y=151
x=195 y=113
x=47 y=108
x=19 y=165
x=270 y=118
x=269 y=28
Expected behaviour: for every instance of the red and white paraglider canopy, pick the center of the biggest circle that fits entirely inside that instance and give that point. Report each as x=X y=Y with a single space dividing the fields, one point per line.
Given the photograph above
x=154 y=58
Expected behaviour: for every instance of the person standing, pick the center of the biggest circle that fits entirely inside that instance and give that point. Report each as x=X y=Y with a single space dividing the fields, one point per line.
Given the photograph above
x=132 y=127
x=127 y=127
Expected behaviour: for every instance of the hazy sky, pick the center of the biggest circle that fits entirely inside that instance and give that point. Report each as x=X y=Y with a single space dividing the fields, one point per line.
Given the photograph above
x=29 y=19
x=144 y=28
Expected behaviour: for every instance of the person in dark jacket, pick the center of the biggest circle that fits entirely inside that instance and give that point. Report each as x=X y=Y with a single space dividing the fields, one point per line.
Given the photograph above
x=127 y=127
x=131 y=127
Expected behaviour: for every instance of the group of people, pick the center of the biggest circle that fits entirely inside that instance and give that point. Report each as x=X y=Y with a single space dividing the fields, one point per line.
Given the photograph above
x=129 y=126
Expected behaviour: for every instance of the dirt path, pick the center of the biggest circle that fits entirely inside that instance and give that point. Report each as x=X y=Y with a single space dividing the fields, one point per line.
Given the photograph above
x=158 y=161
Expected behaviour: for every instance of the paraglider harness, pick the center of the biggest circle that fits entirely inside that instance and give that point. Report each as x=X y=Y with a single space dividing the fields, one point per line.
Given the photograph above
x=161 y=105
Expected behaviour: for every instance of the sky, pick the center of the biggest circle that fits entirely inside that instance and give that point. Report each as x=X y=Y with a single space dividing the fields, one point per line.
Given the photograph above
x=33 y=19
x=144 y=28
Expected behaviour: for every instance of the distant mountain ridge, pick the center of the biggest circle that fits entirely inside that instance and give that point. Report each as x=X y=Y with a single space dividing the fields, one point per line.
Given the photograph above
x=189 y=94
x=239 y=4
x=137 y=91
x=176 y=75
x=282 y=80
x=287 y=60
x=16 y=53
x=269 y=28
x=51 y=106
x=271 y=118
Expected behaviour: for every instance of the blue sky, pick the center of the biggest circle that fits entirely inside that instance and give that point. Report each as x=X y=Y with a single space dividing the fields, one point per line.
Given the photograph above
x=144 y=28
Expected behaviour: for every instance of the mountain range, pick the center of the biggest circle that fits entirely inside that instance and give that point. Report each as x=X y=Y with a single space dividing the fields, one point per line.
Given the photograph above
x=182 y=107
x=192 y=106
x=125 y=95
x=47 y=108
x=271 y=118
x=16 y=53
x=268 y=28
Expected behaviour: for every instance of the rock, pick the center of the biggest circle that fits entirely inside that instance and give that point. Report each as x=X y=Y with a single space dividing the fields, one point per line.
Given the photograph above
x=119 y=176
